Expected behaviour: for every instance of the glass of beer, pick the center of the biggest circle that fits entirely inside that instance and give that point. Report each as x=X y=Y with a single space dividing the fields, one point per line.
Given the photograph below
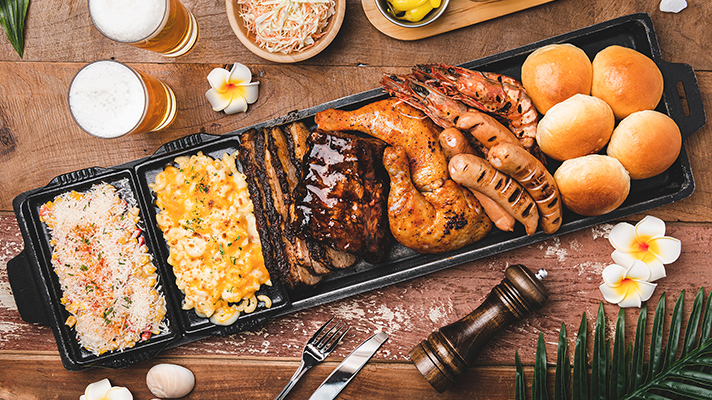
x=109 y=99
x=163 y=26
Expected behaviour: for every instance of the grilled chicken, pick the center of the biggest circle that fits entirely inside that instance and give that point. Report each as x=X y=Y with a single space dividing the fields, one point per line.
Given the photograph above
x=428 y=212
x=397 y=124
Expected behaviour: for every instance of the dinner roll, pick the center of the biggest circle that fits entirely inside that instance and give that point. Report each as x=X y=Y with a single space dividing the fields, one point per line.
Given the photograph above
x=553 y=73
x=577 y=126
x=627 y=80
x=592 y=185
x=646 y=143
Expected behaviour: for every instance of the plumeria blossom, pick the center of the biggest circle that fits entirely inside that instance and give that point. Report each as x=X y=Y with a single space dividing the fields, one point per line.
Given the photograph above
x=103 y=390
x=627 y=287
x=646 y=241
x=231 y=91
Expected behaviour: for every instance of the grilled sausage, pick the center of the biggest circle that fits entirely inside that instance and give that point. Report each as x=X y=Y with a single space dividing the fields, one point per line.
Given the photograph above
x=499 y=216
x=533 y=176
x=485 y=129
x=454 y=142
x=476 y=173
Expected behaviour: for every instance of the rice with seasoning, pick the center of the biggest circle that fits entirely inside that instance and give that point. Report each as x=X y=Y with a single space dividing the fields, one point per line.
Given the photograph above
x=108 y=280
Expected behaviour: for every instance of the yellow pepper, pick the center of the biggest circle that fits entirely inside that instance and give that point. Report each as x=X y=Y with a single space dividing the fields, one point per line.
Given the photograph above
x=413 y=10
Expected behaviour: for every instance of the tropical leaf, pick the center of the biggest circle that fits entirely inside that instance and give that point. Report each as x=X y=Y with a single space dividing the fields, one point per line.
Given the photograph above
x=519 y=393
x=539 y=382
x=12 y=19
x=599 y=365
x=579 y=383
x=619 y=371
x=563 y=367
x=636 y=370
x=621 y=374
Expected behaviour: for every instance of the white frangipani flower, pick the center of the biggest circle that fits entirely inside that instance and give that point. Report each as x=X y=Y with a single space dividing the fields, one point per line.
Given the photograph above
x=645 y=242
x=231 y=91
x=103 y=390
x=627 y=287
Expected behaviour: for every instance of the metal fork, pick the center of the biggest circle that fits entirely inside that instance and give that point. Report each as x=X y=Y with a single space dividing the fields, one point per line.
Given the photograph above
x=316 y=351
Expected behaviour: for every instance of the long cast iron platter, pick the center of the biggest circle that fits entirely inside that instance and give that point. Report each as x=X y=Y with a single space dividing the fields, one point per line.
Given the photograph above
x=36 y=289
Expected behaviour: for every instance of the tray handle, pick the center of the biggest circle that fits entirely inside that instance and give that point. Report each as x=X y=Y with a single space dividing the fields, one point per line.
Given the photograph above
x=75 y=176
x=681 y=78
x=27 y=297
x=184 y=143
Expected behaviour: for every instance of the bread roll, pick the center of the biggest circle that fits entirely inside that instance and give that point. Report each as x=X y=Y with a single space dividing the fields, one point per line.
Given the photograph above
x=627 y=80
x=577 y=126
x=554 y=73
x=646 y=143
x=592 y=185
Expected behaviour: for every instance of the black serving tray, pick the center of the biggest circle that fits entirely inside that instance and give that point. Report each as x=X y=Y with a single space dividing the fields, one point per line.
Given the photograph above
x=35 y=286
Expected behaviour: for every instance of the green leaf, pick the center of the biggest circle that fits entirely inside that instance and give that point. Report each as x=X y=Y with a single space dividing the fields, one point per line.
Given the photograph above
x=599 y=365
x=539 y=383
x=618 y=360
x=12 y=19
x=636 y=378
x=695 y=376
x=563 y=367
x=693 y=322
x=666 y=377
x=656 y=340
x=579 y=382
x=684 y=389
x=673 y=342
x=519 y=386
x=707 y=321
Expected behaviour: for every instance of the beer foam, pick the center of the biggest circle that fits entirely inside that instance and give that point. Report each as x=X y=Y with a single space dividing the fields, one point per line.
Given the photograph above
x=128 y=20
x=107 y=99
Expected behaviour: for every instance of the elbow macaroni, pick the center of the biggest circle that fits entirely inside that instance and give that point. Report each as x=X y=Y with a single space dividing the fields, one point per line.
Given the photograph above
x=208 y=222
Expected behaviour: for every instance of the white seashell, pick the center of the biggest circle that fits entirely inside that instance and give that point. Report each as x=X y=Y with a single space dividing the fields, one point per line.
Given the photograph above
x=673 y=6
x=170 y=381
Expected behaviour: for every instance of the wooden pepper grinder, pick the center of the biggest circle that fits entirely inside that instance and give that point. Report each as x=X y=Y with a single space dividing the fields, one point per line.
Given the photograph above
x=447 y=353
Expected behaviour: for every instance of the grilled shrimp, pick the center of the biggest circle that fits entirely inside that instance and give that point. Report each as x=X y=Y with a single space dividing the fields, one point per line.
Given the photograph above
x=489 y=92
x=442 y=109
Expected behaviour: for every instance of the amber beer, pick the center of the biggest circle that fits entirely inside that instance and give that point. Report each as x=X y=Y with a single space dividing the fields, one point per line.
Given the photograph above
x=163 y=26
x=109 y=99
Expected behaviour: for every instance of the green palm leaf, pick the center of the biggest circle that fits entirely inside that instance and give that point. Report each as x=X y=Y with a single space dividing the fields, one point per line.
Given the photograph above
x=621 y=374
x=579 y=382
x=519 y=393
x=12 y=19
x=563 y=367
x=618 y=367
x=539 y=382
x=599 y=365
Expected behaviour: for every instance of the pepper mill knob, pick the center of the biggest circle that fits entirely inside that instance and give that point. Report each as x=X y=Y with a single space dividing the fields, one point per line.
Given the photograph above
x=447 y=353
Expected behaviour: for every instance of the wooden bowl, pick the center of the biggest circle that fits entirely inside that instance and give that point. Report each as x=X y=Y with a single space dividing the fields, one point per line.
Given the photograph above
x=332 y=28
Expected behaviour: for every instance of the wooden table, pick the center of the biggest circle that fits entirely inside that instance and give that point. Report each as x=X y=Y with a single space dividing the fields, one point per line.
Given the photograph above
x=39 y=140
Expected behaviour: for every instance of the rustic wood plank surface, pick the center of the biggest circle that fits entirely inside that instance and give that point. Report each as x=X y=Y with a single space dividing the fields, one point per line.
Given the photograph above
x=39 y=140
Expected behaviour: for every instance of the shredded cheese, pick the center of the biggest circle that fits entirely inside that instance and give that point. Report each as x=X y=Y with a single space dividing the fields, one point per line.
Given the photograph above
x=285 y=26
x=109 y=283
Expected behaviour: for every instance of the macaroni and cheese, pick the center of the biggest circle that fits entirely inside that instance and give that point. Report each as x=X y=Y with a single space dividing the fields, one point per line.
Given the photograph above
x=208 y=222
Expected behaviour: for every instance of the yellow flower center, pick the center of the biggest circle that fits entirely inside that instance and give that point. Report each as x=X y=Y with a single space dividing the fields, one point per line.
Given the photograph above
x=234 y=89
x=627 y=286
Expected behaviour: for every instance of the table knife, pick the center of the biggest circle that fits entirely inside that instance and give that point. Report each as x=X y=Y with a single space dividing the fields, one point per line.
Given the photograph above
x=345 y=372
